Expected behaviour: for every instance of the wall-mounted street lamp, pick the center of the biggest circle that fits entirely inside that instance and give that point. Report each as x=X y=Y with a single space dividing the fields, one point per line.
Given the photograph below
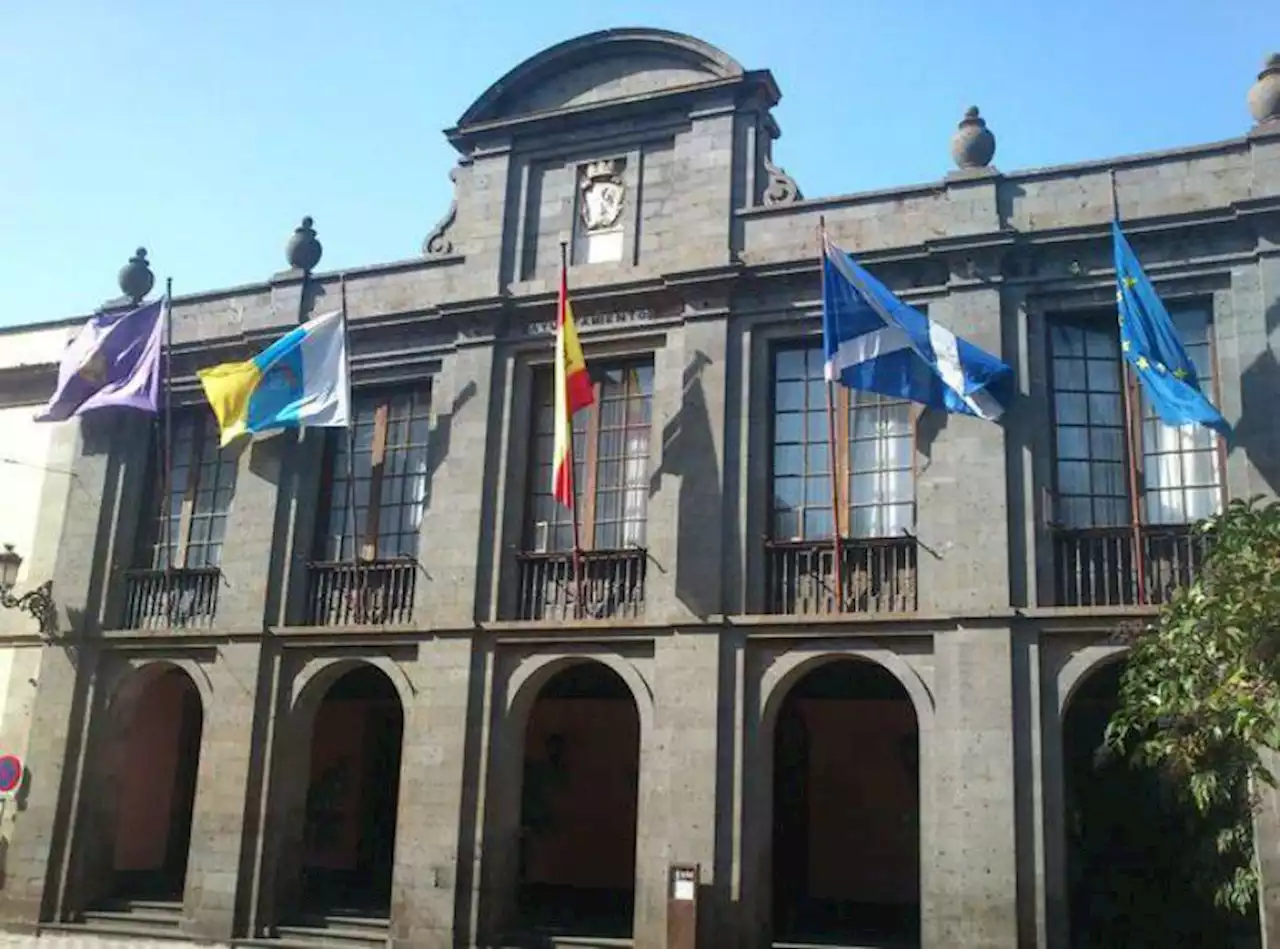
x=37 y=602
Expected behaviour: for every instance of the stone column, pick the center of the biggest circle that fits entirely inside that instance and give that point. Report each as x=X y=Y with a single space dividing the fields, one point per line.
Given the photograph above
x=298 y=519
x=454 y=549
x=961 y=485
x=434 y=797
x=1266 y=831
x=973 y=874
x=227 y=743
x=248 y=571
x=686 y=523
x=1247 y=337
x=682 y=808
x=99 y=505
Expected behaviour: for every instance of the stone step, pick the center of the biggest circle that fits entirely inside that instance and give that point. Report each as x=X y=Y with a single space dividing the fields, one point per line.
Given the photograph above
x=159 y=906
x=159 y=916
x=339 y=931
x=566 y=941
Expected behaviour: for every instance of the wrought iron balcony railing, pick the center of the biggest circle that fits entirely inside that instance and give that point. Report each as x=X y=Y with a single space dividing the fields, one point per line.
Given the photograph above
x=181 y=598
x=877 y=576
x=612 y=585
x=364 y=593
x=1097 y=567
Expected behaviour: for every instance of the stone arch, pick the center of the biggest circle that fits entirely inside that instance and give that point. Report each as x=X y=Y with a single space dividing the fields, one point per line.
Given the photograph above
x=527 y=680
x=778 y=680
x=132 y=675
x=787 y=670
x=699 y=56
x=360 y=744
x=145 y=768
x=1082 y=665
x=313 y=681
x=1126 y=832
x=515 y=698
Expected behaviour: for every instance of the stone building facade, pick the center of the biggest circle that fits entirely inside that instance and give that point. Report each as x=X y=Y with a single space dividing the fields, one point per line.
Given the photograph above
x=984 y=570
x=32 y=480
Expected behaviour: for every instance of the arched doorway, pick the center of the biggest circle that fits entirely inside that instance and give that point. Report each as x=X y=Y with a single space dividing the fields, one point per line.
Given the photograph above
x=1132 y=846
x=846 y=810
x=351 y=805
x=155 y=760
x=578 y=806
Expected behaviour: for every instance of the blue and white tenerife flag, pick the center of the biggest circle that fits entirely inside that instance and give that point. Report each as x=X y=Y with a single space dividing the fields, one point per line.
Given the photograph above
x=875 y=342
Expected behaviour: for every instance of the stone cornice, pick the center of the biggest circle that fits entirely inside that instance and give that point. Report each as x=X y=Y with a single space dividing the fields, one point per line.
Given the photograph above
x=27 y=385
x=486 y=134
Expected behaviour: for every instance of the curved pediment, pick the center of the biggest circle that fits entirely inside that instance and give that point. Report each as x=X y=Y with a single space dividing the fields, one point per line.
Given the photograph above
x=599 y=67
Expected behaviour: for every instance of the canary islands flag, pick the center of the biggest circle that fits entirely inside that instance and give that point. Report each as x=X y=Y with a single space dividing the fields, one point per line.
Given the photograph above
x=298 y=381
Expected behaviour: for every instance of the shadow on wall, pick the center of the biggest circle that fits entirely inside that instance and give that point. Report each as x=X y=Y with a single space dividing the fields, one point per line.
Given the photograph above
x=929 y=426
x=688 y=451
x=1256 y=431
x=100 y=432
x=442 y=432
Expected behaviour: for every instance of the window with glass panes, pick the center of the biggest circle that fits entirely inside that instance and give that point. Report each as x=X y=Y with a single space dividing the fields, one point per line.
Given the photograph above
x=611 y=462
x=876 y=467
x=1180 y=466
x=189 y=528
x=1089 y=425
x=391 y=434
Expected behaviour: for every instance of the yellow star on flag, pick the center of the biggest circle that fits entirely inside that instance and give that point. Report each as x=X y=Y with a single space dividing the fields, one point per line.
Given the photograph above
x=1124 y=346
x=1180 y=373
x=1141 y=362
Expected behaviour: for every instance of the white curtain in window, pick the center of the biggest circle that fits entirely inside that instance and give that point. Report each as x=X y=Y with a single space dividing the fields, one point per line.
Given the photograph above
x=635 y=497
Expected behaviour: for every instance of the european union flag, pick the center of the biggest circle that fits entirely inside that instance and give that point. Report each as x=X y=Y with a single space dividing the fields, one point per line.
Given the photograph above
x=1151 y=345
x=876 y=343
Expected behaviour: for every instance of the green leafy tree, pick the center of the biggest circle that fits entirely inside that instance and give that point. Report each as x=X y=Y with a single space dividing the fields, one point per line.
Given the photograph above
x=1199 y=699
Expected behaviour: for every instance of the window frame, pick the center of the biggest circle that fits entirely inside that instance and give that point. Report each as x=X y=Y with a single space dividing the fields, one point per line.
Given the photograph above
x=1134 y=413
x=843 y=405
x=588 y=422
x=365 y=548
x=177 y=549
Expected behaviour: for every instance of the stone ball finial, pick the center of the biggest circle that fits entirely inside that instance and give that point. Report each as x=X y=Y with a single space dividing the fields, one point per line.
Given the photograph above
x=1264 y=95
x=303 y=250
x=135 y=277
x=973 y=145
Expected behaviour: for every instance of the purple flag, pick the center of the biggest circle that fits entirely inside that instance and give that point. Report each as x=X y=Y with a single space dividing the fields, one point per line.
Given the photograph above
x=113 y=360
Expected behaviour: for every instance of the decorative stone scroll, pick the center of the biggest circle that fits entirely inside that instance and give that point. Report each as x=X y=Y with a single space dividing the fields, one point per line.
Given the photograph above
x=438 y=242
x=781 y=187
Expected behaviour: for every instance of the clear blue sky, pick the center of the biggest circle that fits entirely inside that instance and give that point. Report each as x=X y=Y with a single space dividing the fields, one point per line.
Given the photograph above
x=205 y=129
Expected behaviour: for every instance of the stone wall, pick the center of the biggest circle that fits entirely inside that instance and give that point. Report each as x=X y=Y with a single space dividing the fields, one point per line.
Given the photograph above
x=720 y=262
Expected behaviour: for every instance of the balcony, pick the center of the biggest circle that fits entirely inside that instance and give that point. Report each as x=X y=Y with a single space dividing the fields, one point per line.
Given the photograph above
x=612 y=585
x=877 y=575
x=182 y=598
x=365 y=593
x=1097 y=567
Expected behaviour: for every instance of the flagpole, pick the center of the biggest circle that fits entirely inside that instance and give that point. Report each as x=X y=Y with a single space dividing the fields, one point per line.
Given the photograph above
x=168 y=444
x=351 y=438
x=836 y=542
x=569 y=459
x=1133 y=418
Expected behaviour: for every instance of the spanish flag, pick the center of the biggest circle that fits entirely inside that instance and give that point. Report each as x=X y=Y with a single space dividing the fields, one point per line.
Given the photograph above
x=573 y=392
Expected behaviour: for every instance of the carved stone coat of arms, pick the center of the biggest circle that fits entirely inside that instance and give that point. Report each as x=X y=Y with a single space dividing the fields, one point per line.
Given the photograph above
x=603 y=193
